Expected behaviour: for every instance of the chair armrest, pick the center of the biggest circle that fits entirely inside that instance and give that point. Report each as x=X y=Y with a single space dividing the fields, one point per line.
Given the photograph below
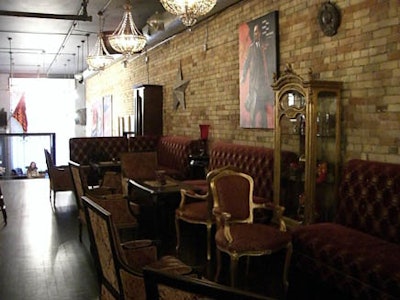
x=138 y=244
x=278 y=217
x=109 y=196
x=60 y=169
x=223 y=220
x=190 y=195
x=226 y=217
x=277 y=214
x=100 y=192
x=137 y=256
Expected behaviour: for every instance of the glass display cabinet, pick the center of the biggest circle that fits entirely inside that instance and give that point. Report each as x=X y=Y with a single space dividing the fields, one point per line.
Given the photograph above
x=307 y=122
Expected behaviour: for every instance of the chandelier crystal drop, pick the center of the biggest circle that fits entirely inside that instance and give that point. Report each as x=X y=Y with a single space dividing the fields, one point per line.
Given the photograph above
x=188 y=10
x=99 y=57
x=126 y=38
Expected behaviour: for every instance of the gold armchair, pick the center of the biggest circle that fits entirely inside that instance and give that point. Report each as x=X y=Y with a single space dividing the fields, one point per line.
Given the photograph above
x=237 y=234
x=60 y=177
x=196 y=208
x=120 y=265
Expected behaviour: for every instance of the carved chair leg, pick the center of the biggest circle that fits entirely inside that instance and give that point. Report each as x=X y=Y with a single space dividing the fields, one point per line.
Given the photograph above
x=288 y=257
x=247 y=265
x=3 y=209
x=234 y=266
x=218 y=270
x=209 y=227
x=4 y=215
x=80 y=231
x=178 y=235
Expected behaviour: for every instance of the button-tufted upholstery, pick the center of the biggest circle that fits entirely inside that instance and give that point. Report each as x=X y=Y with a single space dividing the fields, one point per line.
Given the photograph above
x=258 y=162
x=173 y=155
x=172 y=151
x=359 y=253
x=370 y=199
x=143 y=143
x=84 y=150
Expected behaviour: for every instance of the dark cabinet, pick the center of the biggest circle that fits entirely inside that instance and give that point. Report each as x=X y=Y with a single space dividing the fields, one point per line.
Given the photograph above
x=148 y=108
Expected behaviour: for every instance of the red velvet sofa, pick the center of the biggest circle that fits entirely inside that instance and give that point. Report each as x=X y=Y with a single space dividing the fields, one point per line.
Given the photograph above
x=359 y=253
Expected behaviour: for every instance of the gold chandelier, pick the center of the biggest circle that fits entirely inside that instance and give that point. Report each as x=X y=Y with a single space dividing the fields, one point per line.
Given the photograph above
x=99 y=57
x=188 y=10
x=126 y=38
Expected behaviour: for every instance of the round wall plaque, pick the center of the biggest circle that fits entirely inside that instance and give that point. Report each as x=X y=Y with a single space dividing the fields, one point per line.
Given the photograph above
x=329 y=18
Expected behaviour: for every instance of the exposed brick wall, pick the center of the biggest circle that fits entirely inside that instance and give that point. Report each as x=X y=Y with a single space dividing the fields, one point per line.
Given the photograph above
x=364 y=54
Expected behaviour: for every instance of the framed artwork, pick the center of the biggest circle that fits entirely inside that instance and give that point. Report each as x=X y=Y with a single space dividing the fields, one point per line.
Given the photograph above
x=258 y=61
x=97 y=118
x=107 y=115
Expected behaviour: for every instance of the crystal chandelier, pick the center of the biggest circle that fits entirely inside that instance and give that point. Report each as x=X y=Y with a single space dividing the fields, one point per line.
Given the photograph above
x=126 y=38
x=188 y=10
x=99 y=57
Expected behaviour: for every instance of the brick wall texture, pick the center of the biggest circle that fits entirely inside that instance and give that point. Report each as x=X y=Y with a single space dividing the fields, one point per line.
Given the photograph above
x=364 y=55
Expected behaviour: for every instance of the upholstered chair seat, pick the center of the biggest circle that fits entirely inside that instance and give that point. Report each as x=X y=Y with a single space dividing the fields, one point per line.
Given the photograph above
x=246 y=238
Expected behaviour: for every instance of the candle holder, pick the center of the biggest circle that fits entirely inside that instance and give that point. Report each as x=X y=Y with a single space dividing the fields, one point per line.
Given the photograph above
x=204 y=130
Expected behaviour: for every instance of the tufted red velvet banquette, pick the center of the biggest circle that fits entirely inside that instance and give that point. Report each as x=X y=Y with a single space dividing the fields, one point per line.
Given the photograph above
x=173 y=155
x=358 y=253
x=142 y=143
x=256 y=161
x=84 y=150
x=172 y=151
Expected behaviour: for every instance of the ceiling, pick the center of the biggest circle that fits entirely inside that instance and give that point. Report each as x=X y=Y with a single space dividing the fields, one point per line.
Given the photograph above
x=39 y=38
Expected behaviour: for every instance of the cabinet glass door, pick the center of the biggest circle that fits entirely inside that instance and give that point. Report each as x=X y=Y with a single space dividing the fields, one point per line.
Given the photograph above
x=292 y=139
x=326 y=155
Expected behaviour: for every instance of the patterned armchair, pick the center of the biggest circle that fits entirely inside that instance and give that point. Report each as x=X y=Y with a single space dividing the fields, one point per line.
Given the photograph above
x=120 y=265
x=124 y=212
x=60 y=177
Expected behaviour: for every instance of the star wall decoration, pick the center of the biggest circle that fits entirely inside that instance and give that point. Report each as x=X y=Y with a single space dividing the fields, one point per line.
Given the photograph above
x=179 y=90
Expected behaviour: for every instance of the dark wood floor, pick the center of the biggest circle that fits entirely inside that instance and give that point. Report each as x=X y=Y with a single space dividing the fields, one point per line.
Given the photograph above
x=41 y=257
x=40 y=254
